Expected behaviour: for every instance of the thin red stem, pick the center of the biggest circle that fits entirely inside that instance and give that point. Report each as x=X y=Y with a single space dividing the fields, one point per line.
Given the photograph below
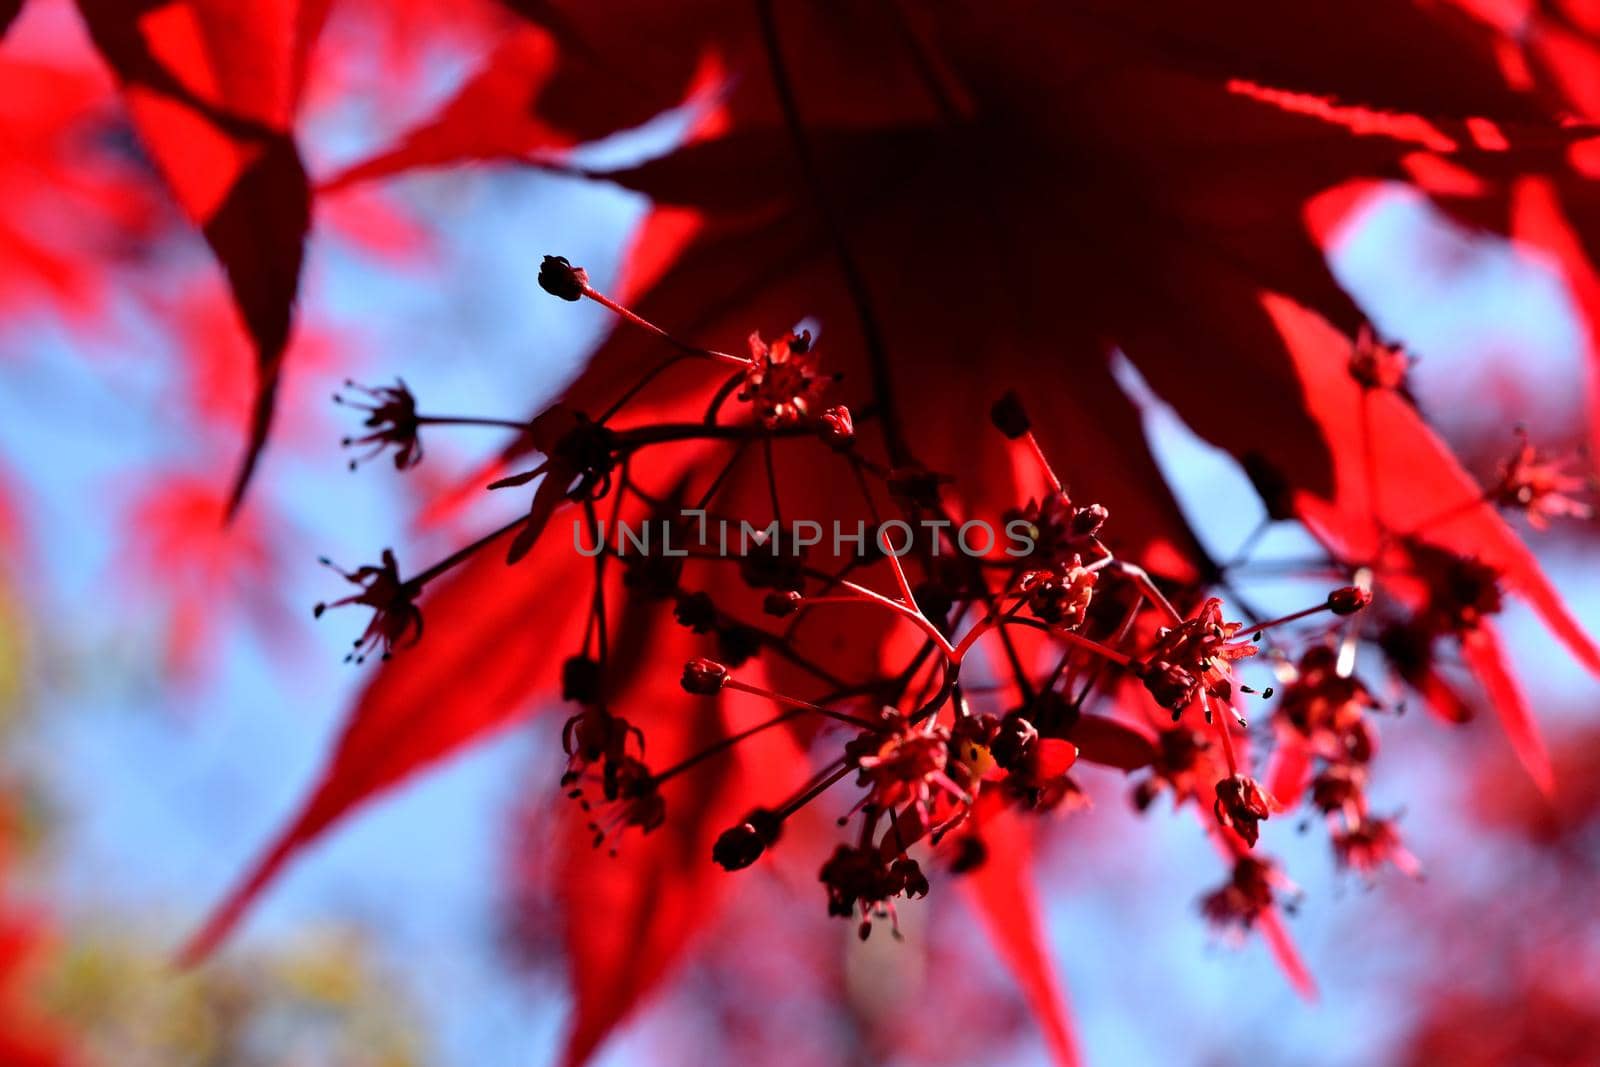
x=799 y=705
x=1044 y=464
x=1093 y=646
x=1220 y=727
x=645 y=324
x=1291 y=617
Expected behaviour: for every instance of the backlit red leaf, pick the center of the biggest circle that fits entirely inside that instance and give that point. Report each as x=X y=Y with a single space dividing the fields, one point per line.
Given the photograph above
x=492 y=652
x=1486 y=657
x=211 y=87
x=631 y=916
x=1001 y=891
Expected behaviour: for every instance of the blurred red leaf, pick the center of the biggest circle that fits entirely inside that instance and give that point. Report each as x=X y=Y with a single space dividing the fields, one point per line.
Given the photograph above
x=630 y=916
x=1289 y=773
x=177 y=553
x=211 y=87
x=1421 y=488
x=1486 y=657
x=68 y=201
x=492 y=652
x=1539 y=220
x=1287 y=956
x=1112 y=742
x=1001 y=891
x=493 y=116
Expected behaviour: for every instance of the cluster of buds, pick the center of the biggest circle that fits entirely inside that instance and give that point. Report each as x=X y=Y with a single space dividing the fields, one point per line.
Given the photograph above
x=1325 y=714
x=596 y=743
x=1193 y=660
x=862 y=877
x=1060 y=598
x=925 y=746
x=1250 y=892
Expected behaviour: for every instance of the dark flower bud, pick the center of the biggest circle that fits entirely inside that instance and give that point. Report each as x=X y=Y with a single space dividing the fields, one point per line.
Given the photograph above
x=1242 y=804
x=740 y=846
x=1376 y=365
x=775 y=563
x=704 y=677
x=737 y=645
x=908 y=875
x=863 y=744
x=780 y=605
x=560 y=278
x=1009 y=417
x=1086 y=522
x=1336 y=787
x=391 y=422
x=836 y=427
x=580 y=680
x=1014 y=741
x=1171 y=685
x=696 y=611
x=1358 y=743
x=1349 y=600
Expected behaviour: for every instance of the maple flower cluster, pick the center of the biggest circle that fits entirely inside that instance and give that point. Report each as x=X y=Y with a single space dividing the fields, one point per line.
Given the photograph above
x=996 y=677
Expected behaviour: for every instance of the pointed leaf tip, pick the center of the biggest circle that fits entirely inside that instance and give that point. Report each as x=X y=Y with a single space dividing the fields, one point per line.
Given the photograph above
x=1283 y=950
x=1001 y=891
x=1485 y=656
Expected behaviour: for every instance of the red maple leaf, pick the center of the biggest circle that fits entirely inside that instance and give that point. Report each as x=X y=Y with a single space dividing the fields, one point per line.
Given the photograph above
x=969 y=202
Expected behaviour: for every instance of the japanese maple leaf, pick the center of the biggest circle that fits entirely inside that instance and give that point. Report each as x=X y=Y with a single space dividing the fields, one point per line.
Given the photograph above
x=211 y=87
x=178 y=553
x=67 y=202
x=975 y=198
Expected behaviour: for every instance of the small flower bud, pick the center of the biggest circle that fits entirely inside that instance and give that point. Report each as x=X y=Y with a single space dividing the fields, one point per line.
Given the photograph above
x=738 y=644
x=782 y=604
x=1242 y=804
x=1349 y=600
x=1086 y=522
x=836 y=427
x=696 y=611
x=1009 y=417
x=1014 y=741
x=560 y=278
x=907 y=872
x=704 y=677
x=580 y=680
x=740 y=846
